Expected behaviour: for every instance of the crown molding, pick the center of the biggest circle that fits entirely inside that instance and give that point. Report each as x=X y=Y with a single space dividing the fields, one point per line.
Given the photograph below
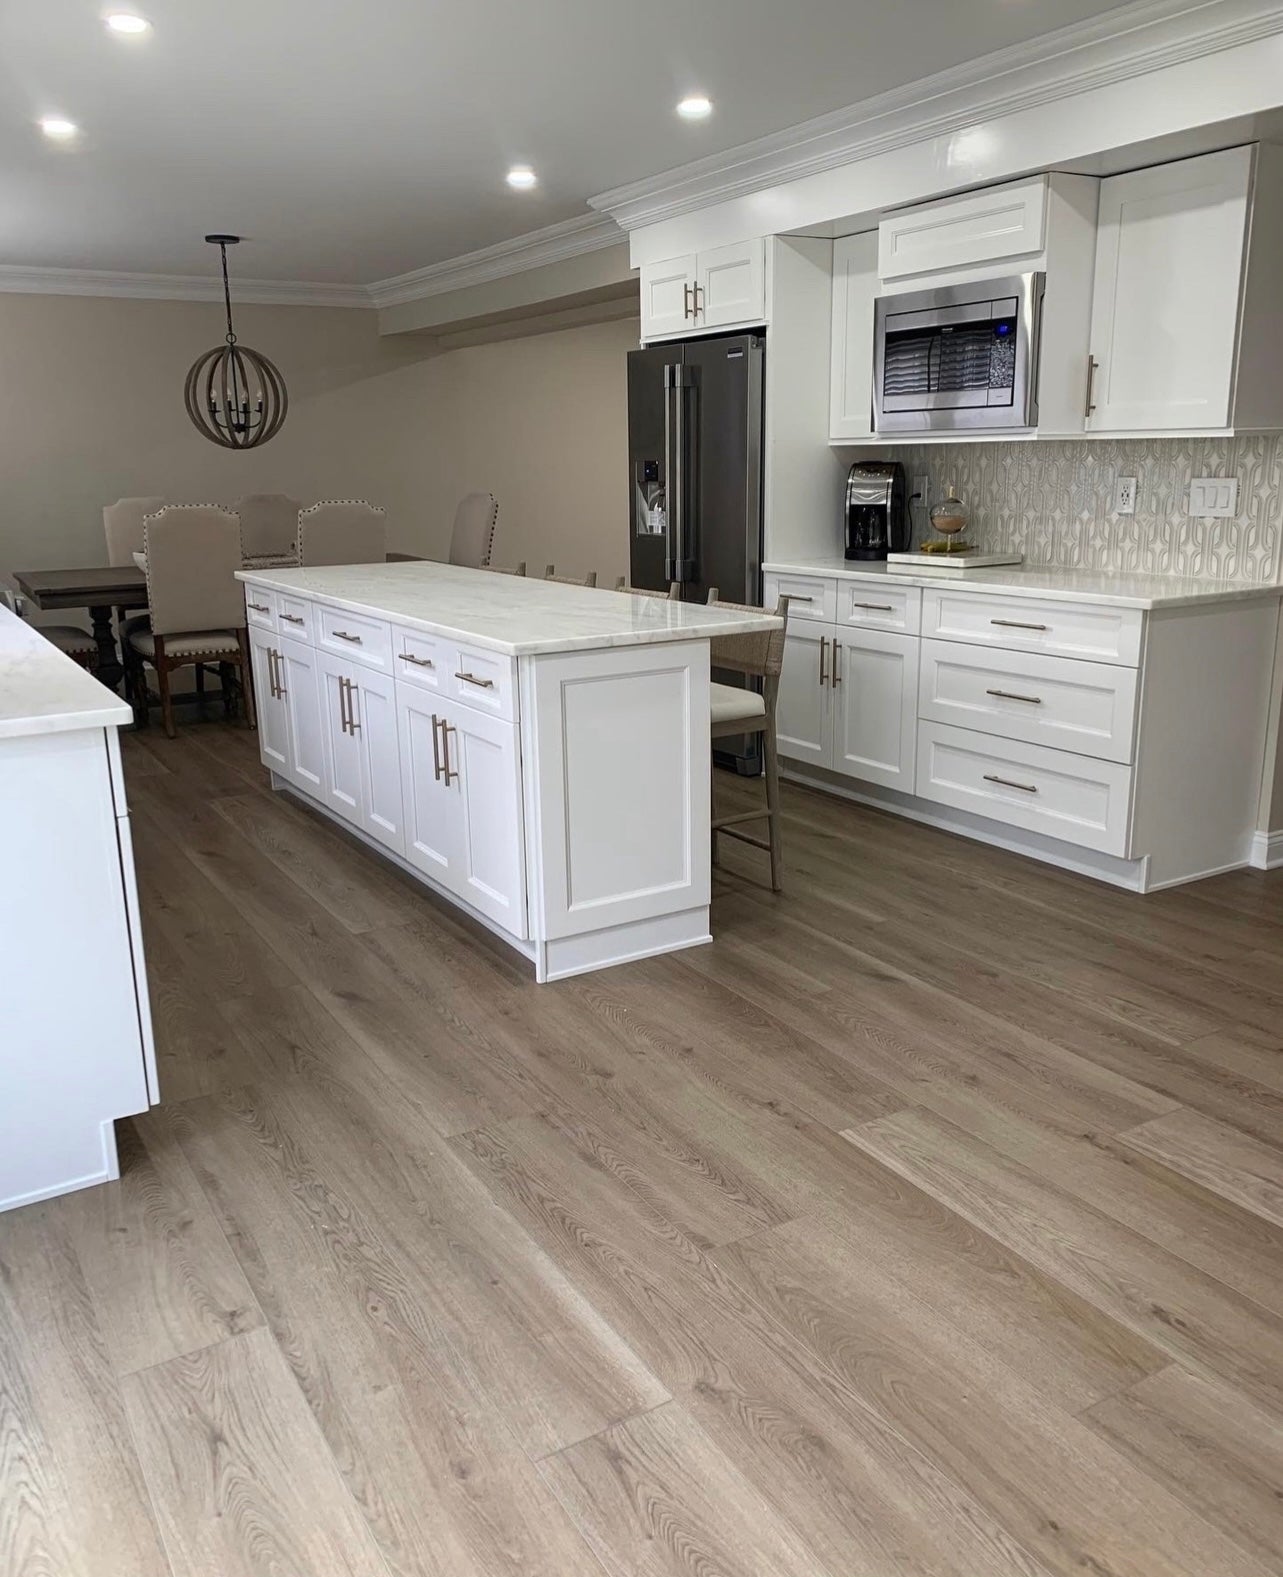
x=535 y=249
x=15 y=278
x=1127 y=42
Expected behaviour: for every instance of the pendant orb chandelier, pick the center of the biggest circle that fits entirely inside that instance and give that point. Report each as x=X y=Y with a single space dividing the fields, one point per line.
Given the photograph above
x=235 y=396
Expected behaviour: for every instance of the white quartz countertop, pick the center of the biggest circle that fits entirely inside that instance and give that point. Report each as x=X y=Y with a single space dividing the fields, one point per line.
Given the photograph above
x=43 y=692
x=512 y=614
x=1067 y=585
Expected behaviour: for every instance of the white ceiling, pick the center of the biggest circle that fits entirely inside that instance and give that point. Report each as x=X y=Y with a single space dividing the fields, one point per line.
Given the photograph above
x=349 y=143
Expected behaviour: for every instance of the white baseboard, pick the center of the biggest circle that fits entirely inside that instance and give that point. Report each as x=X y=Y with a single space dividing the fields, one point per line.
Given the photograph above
x=1267 y=851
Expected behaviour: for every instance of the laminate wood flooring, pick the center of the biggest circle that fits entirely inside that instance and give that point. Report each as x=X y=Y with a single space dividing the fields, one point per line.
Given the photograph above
x=927 y=1224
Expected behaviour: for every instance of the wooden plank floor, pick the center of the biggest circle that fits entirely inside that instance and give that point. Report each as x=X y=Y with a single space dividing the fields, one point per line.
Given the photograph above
x=928 y=1224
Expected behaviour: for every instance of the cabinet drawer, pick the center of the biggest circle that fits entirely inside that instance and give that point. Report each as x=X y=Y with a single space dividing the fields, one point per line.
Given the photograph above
x=295 y=617
x=1055 y=701
x=1062 y=629
x=355 y=636
x=483 y=680
x=1074 y=798
x=419 y=659
x=814 y=596
x=883 y=607
x=260 y=608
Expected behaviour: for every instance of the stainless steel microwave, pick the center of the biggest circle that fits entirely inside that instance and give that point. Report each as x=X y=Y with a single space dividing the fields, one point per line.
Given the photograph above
x=959 y=357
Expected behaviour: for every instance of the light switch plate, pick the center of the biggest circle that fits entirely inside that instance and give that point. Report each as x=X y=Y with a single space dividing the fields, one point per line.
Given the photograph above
x=1125 y=495
x=1213 y=497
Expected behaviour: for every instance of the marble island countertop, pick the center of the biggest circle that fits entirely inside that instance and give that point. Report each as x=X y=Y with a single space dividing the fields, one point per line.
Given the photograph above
x=1067 y=585
x=43 y=692
x=512 y=614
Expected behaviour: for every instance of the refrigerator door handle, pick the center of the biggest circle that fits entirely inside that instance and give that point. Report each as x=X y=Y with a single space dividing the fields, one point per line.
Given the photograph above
x=672 y=481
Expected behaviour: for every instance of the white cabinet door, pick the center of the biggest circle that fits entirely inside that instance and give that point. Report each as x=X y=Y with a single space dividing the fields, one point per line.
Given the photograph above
x=342 y=745
x=305 y=749
x=855 y=285
x=803 y=717
x=372 y=716
x=994 y=225
x=875 y=706
x=273 y=726
x=732 y=285
x=1169 y=262
x=668 y=296
x=482 y=760
x=432 y=826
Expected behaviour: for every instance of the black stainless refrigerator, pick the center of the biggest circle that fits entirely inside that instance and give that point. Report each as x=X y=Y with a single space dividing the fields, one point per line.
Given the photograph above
x=695 y=464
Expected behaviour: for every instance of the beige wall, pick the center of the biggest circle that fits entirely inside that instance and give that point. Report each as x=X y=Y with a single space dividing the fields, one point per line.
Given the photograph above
x=91 y=410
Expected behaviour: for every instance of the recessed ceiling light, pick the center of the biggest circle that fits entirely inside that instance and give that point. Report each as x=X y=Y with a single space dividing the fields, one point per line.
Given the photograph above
x=55 y=126
x=696 y=107
x=521 y=177
x=127 y=22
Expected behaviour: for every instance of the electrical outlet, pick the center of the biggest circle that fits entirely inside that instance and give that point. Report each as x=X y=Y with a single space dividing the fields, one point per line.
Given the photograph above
x=1125 y=495
x=1213 y=497
x=921 y=486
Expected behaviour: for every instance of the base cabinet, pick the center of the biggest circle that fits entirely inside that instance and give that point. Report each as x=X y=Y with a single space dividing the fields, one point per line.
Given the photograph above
x=848 y=702
x=359 y=734
x=461 y=788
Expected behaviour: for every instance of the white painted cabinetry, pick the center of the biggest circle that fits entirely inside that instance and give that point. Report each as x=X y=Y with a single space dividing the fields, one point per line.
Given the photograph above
x=720 y=289
x=855 y=287
x=1128 y=742
x=997 y=224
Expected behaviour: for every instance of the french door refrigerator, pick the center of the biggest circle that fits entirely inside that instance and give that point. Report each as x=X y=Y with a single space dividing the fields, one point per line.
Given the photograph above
x=695 y=463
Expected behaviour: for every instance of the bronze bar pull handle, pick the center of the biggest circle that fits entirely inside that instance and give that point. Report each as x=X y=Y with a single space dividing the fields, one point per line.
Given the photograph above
x=686 y=301
x=352 y=693
x=875 y=607
x=1015 y=624
x=343 y=705
x=342 y=635
x=293 y=618
x=824 y=641
x=280 y=674
x=481 y=684
x=1092 y=365
x=436 y=750
x=837 y=663
x=272 y=691
x=698 y=307
x=450 y=772
x=258 y=607
x=1025 y=788
x=1010 y=695
x=419 y=662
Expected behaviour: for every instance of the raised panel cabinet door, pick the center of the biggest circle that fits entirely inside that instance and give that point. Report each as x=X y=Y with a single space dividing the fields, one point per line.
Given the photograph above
x=341 y=744
x=855 y=286
x=1169 y=263
x=668 y=296
x=305 y=749
x=431 y=812
x=273 y=725
x=732 y=285
x=372 y=713
x=803 y=718
x=483 y=763
x=875 y=707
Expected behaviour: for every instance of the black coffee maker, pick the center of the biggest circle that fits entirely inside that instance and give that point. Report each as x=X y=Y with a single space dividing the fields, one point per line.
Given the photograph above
x=877 y=511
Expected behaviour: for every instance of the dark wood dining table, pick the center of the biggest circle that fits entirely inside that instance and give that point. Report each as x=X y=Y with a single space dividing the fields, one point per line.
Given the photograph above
x=102 y=591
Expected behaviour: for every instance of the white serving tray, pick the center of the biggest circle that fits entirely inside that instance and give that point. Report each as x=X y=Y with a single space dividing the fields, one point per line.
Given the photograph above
x=947 y=563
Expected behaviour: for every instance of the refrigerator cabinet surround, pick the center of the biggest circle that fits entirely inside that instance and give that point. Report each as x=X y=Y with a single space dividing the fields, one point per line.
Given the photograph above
x=958 y=357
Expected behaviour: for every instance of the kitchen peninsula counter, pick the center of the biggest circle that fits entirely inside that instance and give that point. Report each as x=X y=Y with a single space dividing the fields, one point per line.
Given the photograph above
x=538 y=754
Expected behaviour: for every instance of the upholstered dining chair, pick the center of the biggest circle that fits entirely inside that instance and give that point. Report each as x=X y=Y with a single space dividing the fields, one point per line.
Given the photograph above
x=78 y=644
x=472 y=539
x=122 y=524
x=590 y=579
x=673 y=594
x=197 y=606
x=758 y=654
x=269 y=527
x=342 y=531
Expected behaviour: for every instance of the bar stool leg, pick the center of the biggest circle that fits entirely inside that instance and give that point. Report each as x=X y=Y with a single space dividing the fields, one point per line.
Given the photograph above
x=772 y=766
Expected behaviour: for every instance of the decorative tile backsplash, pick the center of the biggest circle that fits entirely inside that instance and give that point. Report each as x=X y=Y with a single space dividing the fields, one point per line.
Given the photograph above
x=1053 y=502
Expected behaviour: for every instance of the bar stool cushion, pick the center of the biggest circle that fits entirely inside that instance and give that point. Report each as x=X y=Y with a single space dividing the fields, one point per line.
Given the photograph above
x=198 y=644
x=729 y=704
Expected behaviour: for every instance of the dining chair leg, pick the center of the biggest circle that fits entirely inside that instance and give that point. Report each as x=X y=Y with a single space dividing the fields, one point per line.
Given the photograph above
x=162 y=685
x=245 y=675
x=200 y=686
x=771 y=764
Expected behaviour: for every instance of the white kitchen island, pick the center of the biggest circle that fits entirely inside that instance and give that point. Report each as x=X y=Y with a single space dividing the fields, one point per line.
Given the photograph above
x=537 y=753
x=76 y=1048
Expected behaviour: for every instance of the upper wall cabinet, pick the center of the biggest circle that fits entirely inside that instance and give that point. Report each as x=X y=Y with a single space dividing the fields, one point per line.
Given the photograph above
x=855 y=285
x=721 y=289
x=959 y=232
x=1187 y=325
